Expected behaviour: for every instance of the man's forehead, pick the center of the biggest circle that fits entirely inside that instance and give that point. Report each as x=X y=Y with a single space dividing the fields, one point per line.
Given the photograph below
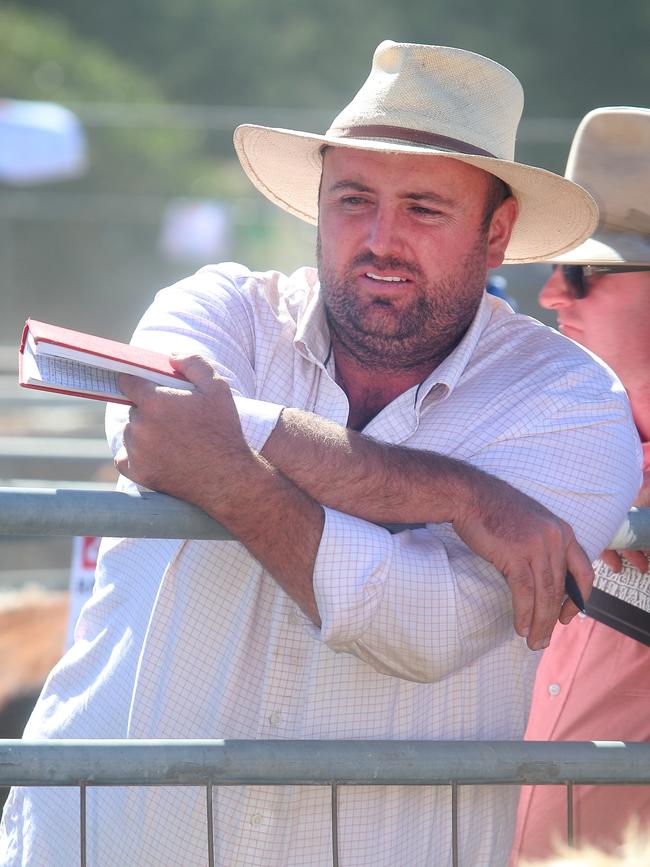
x=367 y=167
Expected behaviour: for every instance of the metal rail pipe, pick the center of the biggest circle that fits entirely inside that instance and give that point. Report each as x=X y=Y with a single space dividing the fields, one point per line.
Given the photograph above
x=86 y=512
x=318 y=762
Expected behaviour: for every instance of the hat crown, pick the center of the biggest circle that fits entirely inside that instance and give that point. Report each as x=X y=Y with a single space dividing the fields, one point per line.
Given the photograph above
x=610 y=157
x=428 y=100
x=440 y=91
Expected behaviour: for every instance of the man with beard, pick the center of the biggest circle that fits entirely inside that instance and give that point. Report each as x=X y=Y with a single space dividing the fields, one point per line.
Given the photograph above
x=383 y=386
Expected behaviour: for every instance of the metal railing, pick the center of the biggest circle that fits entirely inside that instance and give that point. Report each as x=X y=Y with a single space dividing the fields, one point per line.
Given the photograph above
x=68 y=511
x=84 y=512
x=212 y=763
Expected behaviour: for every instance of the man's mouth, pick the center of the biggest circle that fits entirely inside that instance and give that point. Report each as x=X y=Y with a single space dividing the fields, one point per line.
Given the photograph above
x=385 y=279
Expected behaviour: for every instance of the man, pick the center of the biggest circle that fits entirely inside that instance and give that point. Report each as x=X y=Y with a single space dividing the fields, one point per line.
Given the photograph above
x=594 y=681
x=319 y=623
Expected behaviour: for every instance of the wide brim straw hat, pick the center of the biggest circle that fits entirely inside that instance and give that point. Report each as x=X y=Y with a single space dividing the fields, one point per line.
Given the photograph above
x=429 y=100
x=610 y=156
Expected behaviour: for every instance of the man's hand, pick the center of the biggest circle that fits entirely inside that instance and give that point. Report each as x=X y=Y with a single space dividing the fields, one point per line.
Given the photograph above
x=530 y=546
x=639 y=559
x=187 y=444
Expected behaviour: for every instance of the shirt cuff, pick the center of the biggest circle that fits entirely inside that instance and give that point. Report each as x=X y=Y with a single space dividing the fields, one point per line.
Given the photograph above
x=257 y=418
x=352 y=566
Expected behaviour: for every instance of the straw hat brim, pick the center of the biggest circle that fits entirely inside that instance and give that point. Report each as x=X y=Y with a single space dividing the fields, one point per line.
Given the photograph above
x=555 y=214
x=609 y=247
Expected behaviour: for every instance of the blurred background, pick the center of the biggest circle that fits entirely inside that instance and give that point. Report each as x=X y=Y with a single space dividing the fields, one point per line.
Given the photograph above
x=118 y=176
x=157 y=87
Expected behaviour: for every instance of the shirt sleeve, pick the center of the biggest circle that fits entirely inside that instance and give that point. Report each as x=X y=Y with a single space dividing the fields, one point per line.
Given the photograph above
x=417 y=604
x=208 y=314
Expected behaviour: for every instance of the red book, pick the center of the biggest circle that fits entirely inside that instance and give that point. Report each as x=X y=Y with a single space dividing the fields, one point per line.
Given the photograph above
x=59 y=359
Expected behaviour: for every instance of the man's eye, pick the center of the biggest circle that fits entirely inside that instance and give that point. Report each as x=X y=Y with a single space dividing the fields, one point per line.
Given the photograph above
x=421 y=211
x=353 y=200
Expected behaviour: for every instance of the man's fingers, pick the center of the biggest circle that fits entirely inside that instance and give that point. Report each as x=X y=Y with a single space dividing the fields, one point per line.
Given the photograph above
x=134 y=387
x=613 y=560
x=549 y=583
x=195 y=368
x=638 y=559
x=579 y=565
x=549 y=592
x=567 y=612
x=522 y=588
x=581 y=570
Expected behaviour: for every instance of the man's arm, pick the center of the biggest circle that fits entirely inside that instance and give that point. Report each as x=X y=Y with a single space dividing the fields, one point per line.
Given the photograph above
x=379 y=482
x=418 y=606
x=350 y=473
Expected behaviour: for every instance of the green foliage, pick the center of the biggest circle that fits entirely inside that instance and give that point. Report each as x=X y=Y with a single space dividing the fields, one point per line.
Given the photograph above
x=570 y=56
x=42 y=58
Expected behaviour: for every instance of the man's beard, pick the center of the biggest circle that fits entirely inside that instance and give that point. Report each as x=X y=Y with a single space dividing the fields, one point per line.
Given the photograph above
x=422 y=333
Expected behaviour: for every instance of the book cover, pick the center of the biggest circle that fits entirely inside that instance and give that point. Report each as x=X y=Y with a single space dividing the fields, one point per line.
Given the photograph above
x=58 y=359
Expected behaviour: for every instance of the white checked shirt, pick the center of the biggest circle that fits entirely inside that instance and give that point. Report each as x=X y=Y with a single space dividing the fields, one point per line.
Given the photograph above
x=193 y=639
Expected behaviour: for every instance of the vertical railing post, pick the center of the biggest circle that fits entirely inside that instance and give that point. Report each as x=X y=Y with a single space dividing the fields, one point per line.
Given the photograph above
x=569 y=814
x=83 y=837
x=210 y=817
x=454 y=824
x=335 y=826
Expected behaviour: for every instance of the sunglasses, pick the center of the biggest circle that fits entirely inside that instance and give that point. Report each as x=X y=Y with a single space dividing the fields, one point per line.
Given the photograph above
x=576 y=276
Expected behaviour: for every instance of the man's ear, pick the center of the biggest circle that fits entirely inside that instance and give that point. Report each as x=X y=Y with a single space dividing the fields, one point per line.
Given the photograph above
x=499 y=231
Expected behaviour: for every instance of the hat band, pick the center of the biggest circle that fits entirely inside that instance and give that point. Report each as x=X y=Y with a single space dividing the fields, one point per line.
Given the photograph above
x=415 y=136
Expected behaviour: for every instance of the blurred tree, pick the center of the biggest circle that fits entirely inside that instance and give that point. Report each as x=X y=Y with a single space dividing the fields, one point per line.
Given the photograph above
x=85 y=251
x=42 y=58
x=238 y=51
x=289 y=54
x=569 y=56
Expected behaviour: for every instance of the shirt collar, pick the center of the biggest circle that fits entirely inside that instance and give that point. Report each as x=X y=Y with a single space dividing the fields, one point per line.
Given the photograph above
x=312 y=338
x=441 y=382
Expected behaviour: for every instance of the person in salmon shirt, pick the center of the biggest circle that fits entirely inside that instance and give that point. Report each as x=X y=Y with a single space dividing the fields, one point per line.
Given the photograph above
x=593 y=682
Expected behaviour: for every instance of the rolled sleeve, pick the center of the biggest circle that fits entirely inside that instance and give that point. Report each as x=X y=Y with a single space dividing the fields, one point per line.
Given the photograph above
x=350 y=573
x=416 y=605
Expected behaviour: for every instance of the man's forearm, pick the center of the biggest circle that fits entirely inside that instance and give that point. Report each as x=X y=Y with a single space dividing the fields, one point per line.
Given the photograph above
x=352 y=473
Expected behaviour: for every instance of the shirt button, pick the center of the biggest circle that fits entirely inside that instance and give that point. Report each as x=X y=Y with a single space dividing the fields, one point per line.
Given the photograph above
x=582 y=615
x=275 y=719
x=554 y=689
x=256 y=820
x=294 y=618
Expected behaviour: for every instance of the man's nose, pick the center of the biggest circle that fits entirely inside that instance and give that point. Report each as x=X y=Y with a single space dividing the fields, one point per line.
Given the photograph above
x=383 y=232
x=555 y=293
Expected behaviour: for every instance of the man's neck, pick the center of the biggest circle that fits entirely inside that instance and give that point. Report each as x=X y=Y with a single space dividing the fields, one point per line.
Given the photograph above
x=370 y=389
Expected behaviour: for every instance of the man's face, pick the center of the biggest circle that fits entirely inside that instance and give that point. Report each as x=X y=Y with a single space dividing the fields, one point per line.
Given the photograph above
x=402 y=253
x=613 y=320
